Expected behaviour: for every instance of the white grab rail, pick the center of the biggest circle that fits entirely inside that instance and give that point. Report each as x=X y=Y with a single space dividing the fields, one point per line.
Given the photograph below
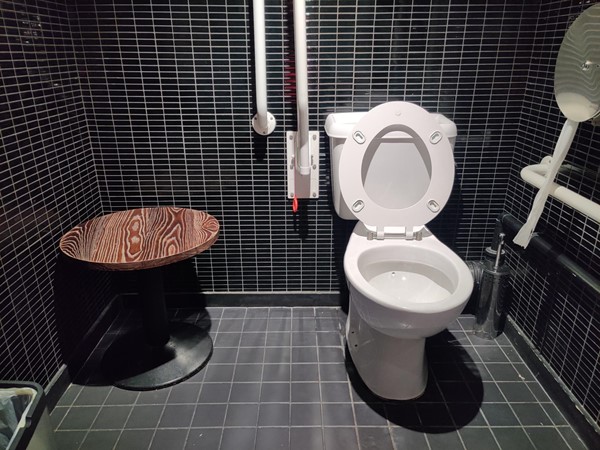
x=263 y=121
x=302 y=144
x=536 y=175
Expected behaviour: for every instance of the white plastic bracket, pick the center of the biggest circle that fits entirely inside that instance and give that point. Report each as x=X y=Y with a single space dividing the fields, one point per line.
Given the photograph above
x=270 y=124
x=303 y=186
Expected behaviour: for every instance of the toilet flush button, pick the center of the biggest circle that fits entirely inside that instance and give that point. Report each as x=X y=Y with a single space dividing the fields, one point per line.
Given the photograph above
x=358 y=205
x=435 y=137
x=433 y=205
x=359 y=137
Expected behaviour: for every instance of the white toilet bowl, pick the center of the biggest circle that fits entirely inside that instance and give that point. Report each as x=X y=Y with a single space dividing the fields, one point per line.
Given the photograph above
x=401 y=292
x=393 y=170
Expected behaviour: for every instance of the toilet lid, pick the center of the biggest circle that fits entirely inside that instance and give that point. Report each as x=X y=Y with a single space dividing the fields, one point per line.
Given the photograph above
x=426 y=134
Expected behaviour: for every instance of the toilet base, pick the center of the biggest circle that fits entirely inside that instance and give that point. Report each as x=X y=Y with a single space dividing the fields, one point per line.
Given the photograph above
x=392 y=368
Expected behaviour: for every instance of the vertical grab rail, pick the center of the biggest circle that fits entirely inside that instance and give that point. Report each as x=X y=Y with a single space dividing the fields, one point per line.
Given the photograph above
x=302 y=150
x=263 y=121
x=303 y=144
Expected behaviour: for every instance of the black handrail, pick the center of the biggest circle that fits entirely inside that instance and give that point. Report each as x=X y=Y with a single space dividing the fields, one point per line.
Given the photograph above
x=509 y=225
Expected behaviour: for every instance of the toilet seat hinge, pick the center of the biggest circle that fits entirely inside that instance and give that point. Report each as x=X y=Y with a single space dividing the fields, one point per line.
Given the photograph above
x=409 y=234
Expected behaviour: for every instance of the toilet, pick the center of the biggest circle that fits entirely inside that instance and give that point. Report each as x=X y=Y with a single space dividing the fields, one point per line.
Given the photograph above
x=393 y=170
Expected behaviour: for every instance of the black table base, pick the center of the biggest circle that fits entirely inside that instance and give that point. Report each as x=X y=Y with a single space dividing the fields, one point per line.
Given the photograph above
x=160 y=354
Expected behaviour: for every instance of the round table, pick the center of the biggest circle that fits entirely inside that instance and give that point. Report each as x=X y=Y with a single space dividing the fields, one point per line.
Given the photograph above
x=161 y=353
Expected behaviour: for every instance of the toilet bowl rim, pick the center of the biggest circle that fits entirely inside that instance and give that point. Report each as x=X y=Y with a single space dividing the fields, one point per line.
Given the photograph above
x=462 y=277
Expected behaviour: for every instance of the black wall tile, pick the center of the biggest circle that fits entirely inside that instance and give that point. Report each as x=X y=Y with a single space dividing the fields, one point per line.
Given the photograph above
x=558 y=315
x=48 y=184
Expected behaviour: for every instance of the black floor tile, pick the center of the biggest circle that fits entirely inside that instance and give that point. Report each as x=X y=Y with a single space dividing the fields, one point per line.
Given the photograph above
x=512 y=438
x=370 y=414
x=135 y=440
x=403 y=414
x=177 y=416
x=555 y=415
x=305 y=372
x=214 y=393
x=69 y=396
x=499 y=414
x=516 y=392
x=280 y=379
x=274 y=415
x=100 y=440
x=238 y=439
x=305 y=393
x=466 y=414
x=434 y=415
x=491 y=393
x=222 y=373
x=69 y=440
x=375 y=438
x=306 y=437
x=203 y=438
x=92 y=396
x=277 y=355
x=444 y=440
x=121 y=397
x=112 y=418
x=209 y=415
x=546 y=437
x=169 y=439
x=157 y=397
x=333 y=372
x=276 y=372
x=273 y=438
x=241 y=415
x=531 y=414
x=335 y=393
x=571 y=438
x=475 y=438
x=275 y=392
x=306 y=414
x=406 y=438
x=245 y=393
x=79 y=418
x=57 y=415
x=340 y=438
x=337 y=414
x=184 y=393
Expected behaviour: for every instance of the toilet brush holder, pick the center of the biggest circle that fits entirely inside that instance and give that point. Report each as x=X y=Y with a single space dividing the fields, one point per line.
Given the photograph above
x=494 y=294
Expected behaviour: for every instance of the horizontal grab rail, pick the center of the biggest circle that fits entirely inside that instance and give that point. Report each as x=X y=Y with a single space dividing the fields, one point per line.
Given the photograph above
x=508 y=224
x=535 y=175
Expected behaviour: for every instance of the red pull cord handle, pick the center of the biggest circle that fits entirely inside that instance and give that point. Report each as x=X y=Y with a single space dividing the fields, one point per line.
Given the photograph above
x=295 y=204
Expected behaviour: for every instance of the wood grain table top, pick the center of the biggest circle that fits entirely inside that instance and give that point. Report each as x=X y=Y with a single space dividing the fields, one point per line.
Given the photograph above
x=141 y=238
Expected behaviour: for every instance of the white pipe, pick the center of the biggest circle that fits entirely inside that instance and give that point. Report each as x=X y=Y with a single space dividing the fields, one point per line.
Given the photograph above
x=263 y=122
x=536 y=176
x=302 y=151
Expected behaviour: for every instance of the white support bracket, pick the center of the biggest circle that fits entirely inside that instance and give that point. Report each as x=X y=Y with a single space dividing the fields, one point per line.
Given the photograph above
x=303 y=186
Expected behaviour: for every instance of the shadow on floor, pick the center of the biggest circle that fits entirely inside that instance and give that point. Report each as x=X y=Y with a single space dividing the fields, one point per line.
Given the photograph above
x=453 y=396
x=126 y=324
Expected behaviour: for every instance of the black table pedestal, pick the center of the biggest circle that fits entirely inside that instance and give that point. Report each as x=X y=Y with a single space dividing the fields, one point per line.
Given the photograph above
x=160 y=354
